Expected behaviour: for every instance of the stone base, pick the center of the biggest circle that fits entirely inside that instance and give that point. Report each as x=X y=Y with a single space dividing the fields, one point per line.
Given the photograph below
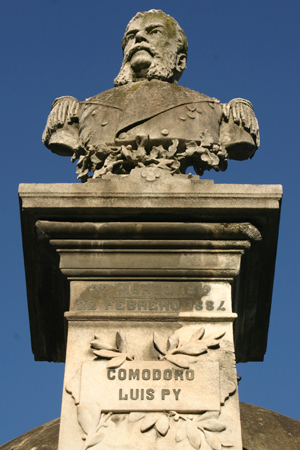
x=150 y=285
x=146 y=403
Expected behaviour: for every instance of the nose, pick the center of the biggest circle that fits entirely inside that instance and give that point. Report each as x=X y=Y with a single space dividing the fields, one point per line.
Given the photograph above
x=140 y=36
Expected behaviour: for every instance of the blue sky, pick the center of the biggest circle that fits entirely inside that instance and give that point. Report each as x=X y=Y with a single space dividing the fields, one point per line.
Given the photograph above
x=50 y=48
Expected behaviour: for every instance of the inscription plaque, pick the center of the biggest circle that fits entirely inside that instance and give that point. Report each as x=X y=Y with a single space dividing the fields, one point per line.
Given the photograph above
x=151 y=386
x=157 y=298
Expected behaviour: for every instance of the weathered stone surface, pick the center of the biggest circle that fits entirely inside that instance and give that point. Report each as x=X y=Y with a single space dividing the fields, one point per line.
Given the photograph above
x=98 y=381
x=147 y=286
x=197 y=218
x=261 y=430
x=156 y=299
x=147 y=120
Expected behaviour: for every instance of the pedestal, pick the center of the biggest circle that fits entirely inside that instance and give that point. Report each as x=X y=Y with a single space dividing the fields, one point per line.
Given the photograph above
x=150 y=276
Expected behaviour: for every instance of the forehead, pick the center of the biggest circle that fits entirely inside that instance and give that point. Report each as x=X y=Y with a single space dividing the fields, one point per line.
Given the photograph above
x=149 y=21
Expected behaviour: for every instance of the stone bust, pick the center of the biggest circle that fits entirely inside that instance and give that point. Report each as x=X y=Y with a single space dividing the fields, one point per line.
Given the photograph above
x=147 y=119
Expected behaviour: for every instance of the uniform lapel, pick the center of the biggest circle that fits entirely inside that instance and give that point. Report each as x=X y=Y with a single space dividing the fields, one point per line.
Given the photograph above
x=152 y=98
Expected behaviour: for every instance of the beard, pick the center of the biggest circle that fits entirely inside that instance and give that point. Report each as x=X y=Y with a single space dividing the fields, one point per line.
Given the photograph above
x=161 y=68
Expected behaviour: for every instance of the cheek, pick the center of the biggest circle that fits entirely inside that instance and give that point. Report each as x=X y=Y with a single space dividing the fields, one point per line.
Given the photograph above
x=165 y=44
x=128 y=46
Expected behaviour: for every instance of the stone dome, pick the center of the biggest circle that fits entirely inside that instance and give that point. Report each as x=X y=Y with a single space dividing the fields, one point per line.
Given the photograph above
x=262 y=430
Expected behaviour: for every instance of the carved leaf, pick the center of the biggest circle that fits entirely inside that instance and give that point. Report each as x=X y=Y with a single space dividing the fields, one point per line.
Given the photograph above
x=213 y=441
x=191 y=148
x=175 y=166
x=172 y=148
x=161 y=151
x=165 y=163
x=98 y=345
x=198 y=335
x=93 y=440
x=116 y=362
x=212 y=341
x=84 y=419
x=74 y=157
x=149 y=421
x=213 y=425
x=181 y=432
x=193 y=349
x=95 y=159
x=99 y=172
x=126 y=152
x=193 y=434
x=140 y=153
x=103 y=151
x=159 y=343
x=209 y=415
x=121 y=342
x=213 y=344
x=81 y=158
x=135 y=416
x=178 y=360
x=217 y=335
x=210 y=158
x=173 y=342
x=227 y=443
x=106 y=353
x=83 y=173
x=154 y=152
x=163 y=424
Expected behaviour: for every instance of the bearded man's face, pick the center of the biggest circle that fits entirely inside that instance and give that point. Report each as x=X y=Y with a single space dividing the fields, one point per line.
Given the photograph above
x=150 y=50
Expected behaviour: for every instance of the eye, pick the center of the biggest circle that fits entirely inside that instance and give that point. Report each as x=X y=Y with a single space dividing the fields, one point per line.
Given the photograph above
x=155 y=31
x=129 y=37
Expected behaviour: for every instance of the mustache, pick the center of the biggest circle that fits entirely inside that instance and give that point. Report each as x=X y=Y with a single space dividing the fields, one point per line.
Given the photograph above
x=144 y=46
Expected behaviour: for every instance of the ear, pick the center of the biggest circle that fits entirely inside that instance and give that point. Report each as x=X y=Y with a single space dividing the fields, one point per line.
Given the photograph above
x=181 y=62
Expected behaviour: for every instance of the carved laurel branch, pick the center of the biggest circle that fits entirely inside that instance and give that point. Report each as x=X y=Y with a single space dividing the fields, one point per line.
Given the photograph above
x=96 y=162
x=183 y=354
x=116 y=354
x=92 y=420
x=172 y=350
x=197 y=429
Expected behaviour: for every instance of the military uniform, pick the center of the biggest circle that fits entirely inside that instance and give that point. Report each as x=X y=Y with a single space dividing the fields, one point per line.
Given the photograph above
x=156 y=111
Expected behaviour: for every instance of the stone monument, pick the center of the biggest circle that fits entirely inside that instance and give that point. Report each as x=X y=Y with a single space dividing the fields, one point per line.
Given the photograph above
x=147 y=282
x=148 y=120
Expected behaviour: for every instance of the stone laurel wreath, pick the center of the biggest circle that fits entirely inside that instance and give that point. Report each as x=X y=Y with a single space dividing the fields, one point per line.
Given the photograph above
x=180 y=354
x=200 y=430
x=97 y=162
